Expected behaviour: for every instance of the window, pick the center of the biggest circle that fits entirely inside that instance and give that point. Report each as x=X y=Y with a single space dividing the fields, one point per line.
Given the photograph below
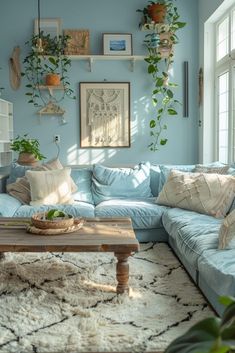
x=224 y=144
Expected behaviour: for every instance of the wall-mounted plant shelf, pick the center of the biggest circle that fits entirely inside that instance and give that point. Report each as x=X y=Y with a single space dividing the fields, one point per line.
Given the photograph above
x=92 y=58
x=51 y=88
x=156 y=27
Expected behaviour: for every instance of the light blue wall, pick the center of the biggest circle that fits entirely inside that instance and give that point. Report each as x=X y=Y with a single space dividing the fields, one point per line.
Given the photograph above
x=16 y=24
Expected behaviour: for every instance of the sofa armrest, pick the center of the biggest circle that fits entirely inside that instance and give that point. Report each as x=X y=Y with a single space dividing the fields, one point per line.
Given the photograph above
x=3 y=181
x=8 y=205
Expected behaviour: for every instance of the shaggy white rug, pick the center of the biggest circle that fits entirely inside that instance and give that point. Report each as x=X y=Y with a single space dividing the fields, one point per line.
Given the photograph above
x=52 y=302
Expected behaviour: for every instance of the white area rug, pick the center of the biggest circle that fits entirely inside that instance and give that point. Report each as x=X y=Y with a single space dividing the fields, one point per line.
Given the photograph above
x=67 y=302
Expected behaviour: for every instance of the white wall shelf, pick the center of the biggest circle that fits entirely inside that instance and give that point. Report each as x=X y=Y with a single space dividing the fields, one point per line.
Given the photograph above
x=6 y=132
x=92 y=58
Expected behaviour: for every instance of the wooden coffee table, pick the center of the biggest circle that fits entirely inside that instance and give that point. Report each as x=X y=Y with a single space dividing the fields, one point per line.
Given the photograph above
x=96 y=235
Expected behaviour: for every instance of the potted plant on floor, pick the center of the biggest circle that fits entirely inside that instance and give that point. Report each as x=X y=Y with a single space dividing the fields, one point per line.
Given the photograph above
x=160 y=58
x=28 y=149
x=212 y=335
x=47 y=67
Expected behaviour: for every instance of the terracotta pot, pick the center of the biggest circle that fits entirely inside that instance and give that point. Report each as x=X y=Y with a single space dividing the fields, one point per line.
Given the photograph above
x=157 y=12
x=27 y=159
x=52 y=80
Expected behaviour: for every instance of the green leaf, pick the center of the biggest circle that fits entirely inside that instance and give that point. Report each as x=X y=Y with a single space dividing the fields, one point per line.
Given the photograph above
x=172 y=111
x=54 y=213
x=180 y=24
x=229 y=314
x=152 y=124
x=163 y=142
x=52 y=60
x=226 y=301
x=199 y=338
x=159 y=81
x=170 y=93
x=151 y=69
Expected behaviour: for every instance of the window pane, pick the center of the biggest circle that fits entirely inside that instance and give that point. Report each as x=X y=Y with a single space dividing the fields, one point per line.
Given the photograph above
x=233 y=31
x=223 y=158
x=223 y=103
x=223 y=123
x=222 y=41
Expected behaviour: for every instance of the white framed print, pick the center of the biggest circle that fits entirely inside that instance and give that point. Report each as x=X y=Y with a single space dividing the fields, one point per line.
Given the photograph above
x=51 y=26
x=117 y=44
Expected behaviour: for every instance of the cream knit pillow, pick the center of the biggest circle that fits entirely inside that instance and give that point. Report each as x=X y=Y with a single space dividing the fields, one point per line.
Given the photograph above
x=50 y=187
x=227 y=232
x=211 y=194
x=20 y=189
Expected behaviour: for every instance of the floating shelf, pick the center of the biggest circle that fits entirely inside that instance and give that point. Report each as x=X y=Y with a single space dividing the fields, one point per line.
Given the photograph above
x=92 y=58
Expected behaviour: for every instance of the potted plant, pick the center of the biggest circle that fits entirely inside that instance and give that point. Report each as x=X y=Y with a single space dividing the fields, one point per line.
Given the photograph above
x=212 y=335
x=160 y=58
x=28 y=148
x=48 y=66
x=155 y=11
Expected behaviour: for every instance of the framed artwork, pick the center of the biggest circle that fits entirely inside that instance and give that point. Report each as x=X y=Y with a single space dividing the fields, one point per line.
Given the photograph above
x=104 y=114
x=117 y=44
x=50 y=26
x=79 y=42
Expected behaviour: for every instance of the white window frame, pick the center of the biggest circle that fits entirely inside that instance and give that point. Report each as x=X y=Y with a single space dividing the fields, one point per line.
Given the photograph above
x=207 y=147
x=226 y=64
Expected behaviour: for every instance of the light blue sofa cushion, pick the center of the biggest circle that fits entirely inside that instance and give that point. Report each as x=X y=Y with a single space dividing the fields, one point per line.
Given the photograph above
x=78 y=209
x=145 y=214
x=155 y=173
x=82 y=178
x=165 y=171
x=193 y=233
x=217 y=268
x=8 y=205
x=17 y=171
x=110 y=183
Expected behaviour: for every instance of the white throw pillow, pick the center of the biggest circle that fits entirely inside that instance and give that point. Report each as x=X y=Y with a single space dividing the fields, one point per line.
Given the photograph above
x=50 y=187
x=227 y=232
x=210 y=194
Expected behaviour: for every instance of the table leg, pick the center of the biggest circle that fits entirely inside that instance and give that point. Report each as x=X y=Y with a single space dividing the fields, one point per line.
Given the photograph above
x=122 y=272
x=2 y=256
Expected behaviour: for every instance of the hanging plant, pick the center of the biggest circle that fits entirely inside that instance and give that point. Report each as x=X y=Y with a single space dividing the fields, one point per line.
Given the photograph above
x=50 y=61
x=160 y=58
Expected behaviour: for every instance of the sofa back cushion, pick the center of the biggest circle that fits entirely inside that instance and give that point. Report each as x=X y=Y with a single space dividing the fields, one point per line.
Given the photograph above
x=155 y=173
x=210 y=194
x=83 y=179
x=109 y=183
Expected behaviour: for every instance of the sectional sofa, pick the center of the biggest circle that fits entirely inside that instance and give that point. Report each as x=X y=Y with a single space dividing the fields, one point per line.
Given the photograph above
x=127 y=192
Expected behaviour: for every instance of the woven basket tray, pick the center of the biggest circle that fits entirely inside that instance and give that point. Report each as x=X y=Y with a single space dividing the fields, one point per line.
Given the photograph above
x=78 y=223
x=38 y=220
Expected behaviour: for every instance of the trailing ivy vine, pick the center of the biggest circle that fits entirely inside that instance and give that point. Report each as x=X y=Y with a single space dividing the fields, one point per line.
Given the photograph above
x=160 y=43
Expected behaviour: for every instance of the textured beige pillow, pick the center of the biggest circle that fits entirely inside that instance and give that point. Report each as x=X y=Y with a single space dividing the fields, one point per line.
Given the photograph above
x=50 y=187
x=211 y=194
x=200 y=168
x=21 y=188
x=227 y=232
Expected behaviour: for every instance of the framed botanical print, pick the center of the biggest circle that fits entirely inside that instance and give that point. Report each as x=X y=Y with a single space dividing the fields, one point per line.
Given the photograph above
x=104 y=114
